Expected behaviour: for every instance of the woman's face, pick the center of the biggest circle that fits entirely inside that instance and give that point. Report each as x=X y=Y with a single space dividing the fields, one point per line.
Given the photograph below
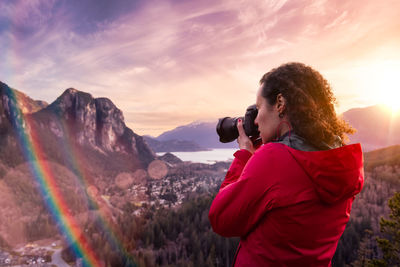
x=267 y=118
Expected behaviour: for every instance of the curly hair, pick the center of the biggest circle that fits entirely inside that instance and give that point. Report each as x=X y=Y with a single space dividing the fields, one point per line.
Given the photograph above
x=309 y=103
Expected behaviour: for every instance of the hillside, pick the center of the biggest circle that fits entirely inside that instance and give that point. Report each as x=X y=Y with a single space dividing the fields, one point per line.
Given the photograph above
x=389 y=156
x=376 y=127
x=24 y=214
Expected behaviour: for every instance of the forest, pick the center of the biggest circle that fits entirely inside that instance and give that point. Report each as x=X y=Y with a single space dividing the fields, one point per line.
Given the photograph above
x=182 y=235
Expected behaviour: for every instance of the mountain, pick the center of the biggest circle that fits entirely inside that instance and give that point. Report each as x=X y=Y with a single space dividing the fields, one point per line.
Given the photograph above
x=95 y=122
x=376 y=127
x=202 y=133
x=170 y=158
x=80 y=141
x=172 y=145
x=27 y=104
x=93 y=125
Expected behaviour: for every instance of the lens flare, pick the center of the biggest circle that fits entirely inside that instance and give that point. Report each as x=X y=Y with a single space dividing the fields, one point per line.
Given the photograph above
x=50 y=192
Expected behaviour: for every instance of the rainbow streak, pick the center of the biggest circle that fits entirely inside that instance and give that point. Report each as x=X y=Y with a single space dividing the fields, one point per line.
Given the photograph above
x=47 y=185
x=79 y=170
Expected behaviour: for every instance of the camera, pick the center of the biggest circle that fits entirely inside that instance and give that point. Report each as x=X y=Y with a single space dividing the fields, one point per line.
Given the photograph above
x=227 y=127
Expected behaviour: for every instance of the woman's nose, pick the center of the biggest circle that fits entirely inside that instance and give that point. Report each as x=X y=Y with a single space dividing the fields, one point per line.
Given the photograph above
x=256 y=121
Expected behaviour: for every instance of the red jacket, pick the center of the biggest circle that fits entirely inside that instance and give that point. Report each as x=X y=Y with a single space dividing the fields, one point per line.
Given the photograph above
x=289 y=207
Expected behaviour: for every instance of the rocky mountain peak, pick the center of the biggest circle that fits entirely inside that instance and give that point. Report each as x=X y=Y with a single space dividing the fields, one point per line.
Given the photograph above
x=90 y=122
x=8 y=114
x=96 y=122
x=12 y=97
x=70 y=100
x=106 y=108
x=70 y=91
x=4 y=114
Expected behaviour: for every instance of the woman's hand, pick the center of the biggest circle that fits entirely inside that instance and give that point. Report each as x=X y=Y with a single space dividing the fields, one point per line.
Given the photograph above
x=243 y=140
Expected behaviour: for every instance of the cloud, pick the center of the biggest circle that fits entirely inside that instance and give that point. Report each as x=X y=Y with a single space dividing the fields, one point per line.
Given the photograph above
x=339 y=20
x=23 y=18
x=199 y=58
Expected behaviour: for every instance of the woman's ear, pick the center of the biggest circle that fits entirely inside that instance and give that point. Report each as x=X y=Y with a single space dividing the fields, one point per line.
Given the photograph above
x=280 y=103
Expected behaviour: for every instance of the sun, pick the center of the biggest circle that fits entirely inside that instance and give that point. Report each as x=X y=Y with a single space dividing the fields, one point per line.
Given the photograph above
x=394 y=106
x=386 y=81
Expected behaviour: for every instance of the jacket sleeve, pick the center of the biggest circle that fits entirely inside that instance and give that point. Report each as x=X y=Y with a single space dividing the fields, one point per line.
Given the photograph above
x=247 y=193
x=236 y=168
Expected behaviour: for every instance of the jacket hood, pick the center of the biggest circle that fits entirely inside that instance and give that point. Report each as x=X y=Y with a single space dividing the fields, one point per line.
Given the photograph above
x=336 y=173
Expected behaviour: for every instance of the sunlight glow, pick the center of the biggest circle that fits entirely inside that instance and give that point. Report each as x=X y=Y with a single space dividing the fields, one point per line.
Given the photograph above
x=389 y=77
x=383 y=81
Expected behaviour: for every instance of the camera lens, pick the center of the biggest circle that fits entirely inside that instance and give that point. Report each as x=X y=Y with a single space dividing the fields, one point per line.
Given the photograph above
x=227 y=129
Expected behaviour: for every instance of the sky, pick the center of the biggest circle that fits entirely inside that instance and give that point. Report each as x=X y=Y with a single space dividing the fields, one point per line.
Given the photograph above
x=172 y=62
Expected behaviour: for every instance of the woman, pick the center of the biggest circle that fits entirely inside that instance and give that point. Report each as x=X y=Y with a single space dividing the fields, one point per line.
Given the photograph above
x=290 y=199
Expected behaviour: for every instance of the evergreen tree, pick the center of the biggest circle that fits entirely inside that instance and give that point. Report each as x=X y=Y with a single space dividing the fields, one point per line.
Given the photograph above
x=364 y=251
x=390 y=243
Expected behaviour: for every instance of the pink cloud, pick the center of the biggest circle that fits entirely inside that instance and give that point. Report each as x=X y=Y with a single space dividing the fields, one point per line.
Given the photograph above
x=161 y=54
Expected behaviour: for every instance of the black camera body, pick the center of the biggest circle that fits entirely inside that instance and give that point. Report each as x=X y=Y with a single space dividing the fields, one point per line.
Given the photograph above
x=227 y=127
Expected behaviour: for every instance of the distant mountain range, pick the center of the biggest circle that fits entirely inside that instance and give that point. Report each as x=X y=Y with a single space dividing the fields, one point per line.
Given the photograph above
x=172 y=145
x=196 y=136
x=376 y=128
